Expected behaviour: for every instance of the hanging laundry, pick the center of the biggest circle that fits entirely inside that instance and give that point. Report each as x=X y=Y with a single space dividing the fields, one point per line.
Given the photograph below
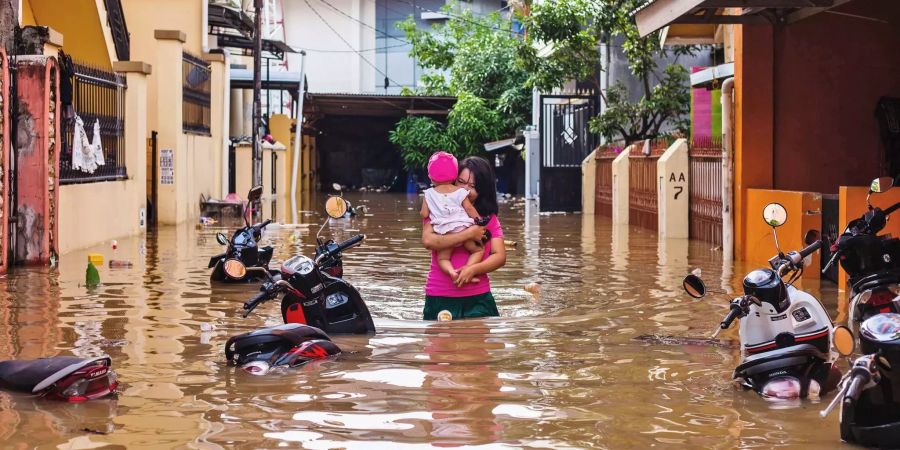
x=82 y=151
x=97 y=146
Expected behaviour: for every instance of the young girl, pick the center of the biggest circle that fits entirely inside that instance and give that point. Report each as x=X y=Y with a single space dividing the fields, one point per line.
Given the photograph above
x=449 y=210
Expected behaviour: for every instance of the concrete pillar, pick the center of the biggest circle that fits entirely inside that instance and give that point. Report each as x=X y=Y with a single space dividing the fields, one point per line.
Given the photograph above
x=217 y=125
x=532 y=163
x=672 y=190
x=237 y=113
x=169 y=121
x=136 y=133
x=588 y=183
x=620 y=187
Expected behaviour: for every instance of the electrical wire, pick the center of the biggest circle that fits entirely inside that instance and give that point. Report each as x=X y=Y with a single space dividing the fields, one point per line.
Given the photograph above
x=363 y=23
x=375 y=49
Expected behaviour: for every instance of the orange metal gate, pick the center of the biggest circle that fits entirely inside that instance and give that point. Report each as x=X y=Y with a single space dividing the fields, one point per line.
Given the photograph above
x=5 y=117
x=603 y=198
x=706 y=189
x=642 y=189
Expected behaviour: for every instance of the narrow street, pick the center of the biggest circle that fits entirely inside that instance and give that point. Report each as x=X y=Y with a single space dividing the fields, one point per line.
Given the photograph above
x=550 y=368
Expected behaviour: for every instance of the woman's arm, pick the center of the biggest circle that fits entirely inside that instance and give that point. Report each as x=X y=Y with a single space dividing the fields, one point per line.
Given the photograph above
x=493 y=262
x=438 y=242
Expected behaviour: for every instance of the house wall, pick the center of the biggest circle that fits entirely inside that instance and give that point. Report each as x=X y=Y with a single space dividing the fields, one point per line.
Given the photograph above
x=82 y=21
x=337 y=68
x=805 y=97
x=830 y=71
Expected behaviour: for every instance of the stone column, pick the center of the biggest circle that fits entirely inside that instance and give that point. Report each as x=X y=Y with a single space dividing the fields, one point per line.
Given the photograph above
x=169 y=48
x=672 y=191
x=620 y=188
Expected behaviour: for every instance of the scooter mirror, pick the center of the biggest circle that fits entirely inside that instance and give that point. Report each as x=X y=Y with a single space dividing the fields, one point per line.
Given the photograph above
x=221 y=239
x=881 y=184
x=775 y=215
x=812 y=236
x=335 y=207
x=694 y=286
x=843 y=341
x=255 y=193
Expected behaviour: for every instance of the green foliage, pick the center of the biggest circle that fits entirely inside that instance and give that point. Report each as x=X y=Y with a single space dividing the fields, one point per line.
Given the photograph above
x=419 y=137
x=474 y=58
x=573 y=29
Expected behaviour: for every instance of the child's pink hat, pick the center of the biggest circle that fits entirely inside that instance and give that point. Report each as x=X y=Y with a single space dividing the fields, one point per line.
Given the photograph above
x=442 y=167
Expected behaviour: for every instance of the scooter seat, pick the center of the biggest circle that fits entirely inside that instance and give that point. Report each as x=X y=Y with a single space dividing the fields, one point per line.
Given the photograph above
x=265 y=341
x=876 y=280
x=36 y=375
x=781 y=358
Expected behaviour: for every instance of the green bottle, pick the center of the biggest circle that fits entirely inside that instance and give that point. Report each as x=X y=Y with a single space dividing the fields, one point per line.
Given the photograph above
x=92 y=276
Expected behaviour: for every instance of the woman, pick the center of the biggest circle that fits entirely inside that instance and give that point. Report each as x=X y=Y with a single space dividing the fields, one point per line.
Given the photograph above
x=470 y=295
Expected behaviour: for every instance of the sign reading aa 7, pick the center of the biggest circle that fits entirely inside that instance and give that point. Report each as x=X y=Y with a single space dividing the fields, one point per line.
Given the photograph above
x=677 y=179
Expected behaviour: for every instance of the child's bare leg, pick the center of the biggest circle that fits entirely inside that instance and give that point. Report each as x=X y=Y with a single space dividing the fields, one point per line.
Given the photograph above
x=476 y=254
x=445 y=264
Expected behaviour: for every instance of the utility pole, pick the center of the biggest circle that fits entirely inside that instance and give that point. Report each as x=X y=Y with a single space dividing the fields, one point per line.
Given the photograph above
x=257 y=87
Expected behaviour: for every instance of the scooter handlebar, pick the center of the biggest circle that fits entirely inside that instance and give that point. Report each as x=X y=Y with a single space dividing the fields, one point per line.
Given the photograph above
x=733 y=314
x=892 y=208
x=350 y=242
x=810 y=249
x=263 y=295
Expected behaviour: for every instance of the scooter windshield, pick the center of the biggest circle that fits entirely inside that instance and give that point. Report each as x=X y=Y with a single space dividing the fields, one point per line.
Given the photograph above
x=242 y=239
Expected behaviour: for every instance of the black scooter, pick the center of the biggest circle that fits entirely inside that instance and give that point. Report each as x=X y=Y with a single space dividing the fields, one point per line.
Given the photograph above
x=242 y=251
x=872 y=262
x=870 y=392
x=315 y=302
x=68 y=378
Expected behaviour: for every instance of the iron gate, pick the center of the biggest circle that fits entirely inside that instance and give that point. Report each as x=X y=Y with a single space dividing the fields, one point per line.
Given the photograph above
x=565 y=142
x=706 y=189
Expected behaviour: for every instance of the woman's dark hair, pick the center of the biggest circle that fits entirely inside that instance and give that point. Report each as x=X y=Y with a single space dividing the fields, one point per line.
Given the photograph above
x=485 y=184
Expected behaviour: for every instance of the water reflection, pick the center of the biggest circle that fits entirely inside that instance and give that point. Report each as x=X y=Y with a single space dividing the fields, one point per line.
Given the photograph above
x=559 y=370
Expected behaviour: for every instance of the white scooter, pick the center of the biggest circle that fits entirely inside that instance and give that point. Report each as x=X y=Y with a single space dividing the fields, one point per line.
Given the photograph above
x=785 y=333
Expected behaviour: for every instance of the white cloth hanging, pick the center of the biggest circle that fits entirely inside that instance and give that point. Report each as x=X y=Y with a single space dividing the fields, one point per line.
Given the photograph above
x=82 y=153
x=97 y=146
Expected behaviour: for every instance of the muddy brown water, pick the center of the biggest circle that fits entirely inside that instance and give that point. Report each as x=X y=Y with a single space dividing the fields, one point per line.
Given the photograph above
x=561 y=370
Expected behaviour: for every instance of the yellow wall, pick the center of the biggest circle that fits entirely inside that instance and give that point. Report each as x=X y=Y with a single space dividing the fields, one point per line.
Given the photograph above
x=81 y=22
x=852 y=204
x=94 y=213
x=803 y=214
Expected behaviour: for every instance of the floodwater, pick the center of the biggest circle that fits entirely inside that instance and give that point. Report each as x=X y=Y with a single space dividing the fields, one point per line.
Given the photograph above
x=560 y=370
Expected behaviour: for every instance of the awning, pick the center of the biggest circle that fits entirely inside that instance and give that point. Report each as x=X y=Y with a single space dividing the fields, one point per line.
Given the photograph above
x=706 y=76
x=287 y=81
x=656 y=14
x=375 y=105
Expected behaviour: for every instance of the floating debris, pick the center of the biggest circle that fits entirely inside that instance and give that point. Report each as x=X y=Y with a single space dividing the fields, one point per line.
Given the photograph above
x=683 y=340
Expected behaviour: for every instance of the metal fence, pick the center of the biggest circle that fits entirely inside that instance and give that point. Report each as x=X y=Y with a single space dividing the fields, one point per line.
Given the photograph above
x=603 y=198
x=195 y=94
x=97 y=95
x=642 y=194
x=706 y=188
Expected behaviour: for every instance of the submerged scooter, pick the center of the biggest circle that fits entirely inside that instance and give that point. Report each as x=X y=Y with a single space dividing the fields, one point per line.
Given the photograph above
x=785 y=333
x=242 y=250
x=872 y=262
x=314 y=302
x=870 y=392
x=68 y=378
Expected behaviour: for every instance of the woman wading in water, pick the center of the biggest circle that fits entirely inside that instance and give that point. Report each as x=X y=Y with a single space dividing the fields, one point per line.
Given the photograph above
x=470 y=295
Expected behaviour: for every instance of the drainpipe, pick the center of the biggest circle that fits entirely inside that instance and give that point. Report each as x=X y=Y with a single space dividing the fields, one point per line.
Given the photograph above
x=226 y=124
x=727 y=171
x=298 y=136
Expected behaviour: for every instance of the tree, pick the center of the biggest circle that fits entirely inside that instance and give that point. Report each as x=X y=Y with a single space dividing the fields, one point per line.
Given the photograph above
x=474 y=59
x=573 y=29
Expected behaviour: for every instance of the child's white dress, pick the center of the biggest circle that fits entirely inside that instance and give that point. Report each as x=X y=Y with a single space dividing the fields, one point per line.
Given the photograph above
x=446 y=211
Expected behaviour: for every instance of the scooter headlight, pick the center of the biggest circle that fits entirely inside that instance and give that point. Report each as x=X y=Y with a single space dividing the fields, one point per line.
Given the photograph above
x=235 y=269
x=882 y=327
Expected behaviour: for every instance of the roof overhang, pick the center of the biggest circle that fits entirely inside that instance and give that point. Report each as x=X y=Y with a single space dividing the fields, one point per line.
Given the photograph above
x=374 y=105
x=708 y=77
x=656 y=14
x=286 y=81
